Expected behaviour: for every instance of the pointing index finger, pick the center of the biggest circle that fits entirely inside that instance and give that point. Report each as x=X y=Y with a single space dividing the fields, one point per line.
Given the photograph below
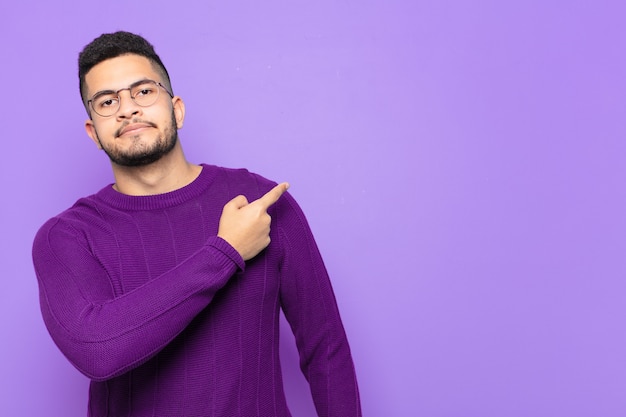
x=273 y=195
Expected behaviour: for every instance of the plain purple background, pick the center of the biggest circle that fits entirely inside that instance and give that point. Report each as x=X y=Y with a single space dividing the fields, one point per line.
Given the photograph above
x=461 y=164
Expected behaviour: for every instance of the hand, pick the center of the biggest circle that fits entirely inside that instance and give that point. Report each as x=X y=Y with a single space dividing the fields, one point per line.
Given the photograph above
x=246 y=226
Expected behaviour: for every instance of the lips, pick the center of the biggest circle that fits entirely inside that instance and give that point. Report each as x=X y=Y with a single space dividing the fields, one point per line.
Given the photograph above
x=132 y=127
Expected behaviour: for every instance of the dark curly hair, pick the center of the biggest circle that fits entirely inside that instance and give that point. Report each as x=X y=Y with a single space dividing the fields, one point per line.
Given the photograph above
x=112 y=45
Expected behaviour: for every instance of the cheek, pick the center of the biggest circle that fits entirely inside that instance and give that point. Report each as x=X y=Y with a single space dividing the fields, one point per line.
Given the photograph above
x=104 y=131
x=99 y=131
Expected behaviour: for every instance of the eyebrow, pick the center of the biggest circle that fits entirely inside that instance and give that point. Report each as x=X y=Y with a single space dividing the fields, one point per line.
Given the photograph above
x=135 y=84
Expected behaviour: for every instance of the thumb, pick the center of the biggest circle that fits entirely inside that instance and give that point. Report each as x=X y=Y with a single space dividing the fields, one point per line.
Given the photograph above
x=237 y=203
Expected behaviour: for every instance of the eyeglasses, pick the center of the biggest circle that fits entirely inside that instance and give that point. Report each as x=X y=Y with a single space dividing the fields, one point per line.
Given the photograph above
x=144 y=93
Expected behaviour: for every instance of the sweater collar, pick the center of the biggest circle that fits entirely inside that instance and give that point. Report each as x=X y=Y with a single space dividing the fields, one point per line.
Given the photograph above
x=111 y=197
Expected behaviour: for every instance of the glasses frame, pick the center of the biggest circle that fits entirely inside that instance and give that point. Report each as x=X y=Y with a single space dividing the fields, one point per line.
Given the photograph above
x=129 y=88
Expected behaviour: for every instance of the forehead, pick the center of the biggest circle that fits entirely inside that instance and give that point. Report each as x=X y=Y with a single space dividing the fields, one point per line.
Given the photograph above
x=119 y=72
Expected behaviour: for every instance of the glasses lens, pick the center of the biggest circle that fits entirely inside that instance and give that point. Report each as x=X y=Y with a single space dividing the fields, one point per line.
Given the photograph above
x=105 y=104
x=145 y=94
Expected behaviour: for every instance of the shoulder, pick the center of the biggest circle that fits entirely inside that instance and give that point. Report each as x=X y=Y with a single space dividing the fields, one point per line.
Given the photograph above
x=237 y=175
x=75 y=220
x=241 y=181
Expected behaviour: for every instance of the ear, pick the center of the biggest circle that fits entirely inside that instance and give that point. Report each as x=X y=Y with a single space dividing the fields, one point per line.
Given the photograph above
x=91 y=132
x=179 y=111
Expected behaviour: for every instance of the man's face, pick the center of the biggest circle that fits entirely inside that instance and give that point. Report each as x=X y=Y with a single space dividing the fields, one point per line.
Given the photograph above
x=134 y=135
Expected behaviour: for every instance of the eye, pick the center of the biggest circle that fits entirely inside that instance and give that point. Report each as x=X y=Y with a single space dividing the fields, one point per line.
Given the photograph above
x=106 y=102
x=143 y=91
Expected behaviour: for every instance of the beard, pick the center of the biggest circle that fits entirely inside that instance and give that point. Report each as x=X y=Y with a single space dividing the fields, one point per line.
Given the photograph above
x=145 y=154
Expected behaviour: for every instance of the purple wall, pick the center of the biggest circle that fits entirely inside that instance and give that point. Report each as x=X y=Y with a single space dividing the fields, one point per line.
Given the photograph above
x=461 y=164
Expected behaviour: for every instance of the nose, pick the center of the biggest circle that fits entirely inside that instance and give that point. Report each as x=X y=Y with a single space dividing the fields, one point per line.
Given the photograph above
x=128 y=107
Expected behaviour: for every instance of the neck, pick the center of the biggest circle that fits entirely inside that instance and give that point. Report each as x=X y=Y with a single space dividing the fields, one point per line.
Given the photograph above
x=169 y=173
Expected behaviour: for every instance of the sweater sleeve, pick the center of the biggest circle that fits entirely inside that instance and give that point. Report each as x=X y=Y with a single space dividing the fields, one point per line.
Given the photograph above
x=104 y=335
x=310 y=308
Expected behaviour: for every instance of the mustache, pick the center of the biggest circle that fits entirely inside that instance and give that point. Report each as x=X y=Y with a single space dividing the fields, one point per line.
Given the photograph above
x=118 y=132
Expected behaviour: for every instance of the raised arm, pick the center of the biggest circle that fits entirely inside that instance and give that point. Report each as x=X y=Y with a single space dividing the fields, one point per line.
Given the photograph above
x=105 y=331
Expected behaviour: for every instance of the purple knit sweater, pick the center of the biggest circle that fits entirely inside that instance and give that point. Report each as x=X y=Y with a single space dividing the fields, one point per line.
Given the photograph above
x=167 y=320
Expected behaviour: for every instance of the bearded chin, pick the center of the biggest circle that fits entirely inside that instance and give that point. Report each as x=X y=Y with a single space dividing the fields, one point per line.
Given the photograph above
x=146 y=156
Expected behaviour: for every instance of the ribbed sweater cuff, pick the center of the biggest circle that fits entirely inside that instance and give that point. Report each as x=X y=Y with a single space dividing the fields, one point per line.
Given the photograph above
x=230 y=252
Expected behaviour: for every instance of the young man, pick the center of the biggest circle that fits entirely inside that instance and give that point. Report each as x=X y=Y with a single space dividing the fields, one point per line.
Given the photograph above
x=165 y=287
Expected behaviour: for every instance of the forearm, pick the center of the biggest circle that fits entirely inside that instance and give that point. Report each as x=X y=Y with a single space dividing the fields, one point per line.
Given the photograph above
x=105 y=335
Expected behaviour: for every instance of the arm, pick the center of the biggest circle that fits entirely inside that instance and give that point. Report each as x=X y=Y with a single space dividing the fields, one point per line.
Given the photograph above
x=310 y=308
x=105 y=335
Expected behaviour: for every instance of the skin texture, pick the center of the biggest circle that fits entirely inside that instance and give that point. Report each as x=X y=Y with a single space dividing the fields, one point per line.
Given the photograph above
x=149 y=134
